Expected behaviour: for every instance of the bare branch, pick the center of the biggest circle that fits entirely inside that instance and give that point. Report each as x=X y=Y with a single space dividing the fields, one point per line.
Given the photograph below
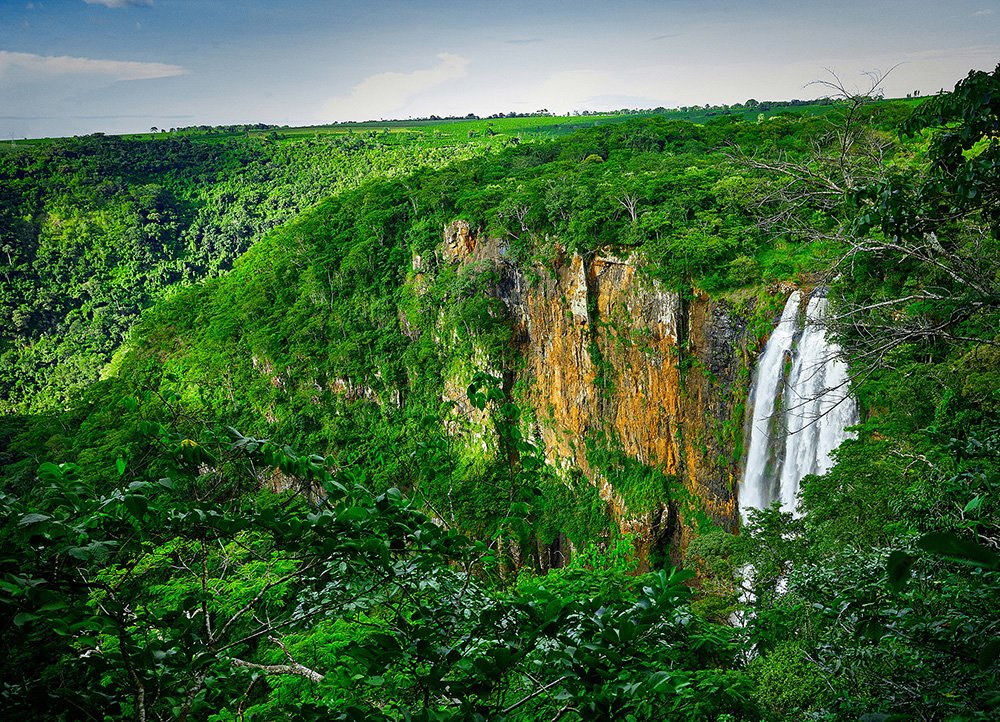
x=296 y=669
x=629 y=202
x=541 y=690
x=293 y=667
x=300 y=570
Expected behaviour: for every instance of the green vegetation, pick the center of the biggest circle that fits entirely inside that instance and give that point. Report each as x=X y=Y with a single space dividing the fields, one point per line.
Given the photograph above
x=881 y=600
x=93 y=230
x=265 y=452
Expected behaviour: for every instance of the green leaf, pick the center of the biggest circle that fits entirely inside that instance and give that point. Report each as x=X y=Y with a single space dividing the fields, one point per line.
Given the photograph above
x=33 y=518
x=50 y=472
x=352 y=513
x=137 y=506
x=952 y=546
x=53 y=606
x=898 y=568
x=661 y=682
x=973 y=506
x=120 y=465
x=679 y=576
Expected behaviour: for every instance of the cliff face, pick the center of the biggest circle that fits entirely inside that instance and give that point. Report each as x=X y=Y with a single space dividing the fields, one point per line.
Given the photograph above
x=616 y=366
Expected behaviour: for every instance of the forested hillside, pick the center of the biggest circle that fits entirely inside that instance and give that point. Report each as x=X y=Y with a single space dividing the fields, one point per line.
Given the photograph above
x=95 y=229
x=374 y=426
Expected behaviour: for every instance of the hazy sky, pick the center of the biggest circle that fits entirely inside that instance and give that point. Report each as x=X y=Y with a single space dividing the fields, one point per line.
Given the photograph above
x=79 y=66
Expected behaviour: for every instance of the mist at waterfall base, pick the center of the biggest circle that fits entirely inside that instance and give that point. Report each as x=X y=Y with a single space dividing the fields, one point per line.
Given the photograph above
x=800 y=404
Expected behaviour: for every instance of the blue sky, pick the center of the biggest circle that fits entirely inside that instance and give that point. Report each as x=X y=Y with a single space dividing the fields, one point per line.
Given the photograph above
x=79 y=66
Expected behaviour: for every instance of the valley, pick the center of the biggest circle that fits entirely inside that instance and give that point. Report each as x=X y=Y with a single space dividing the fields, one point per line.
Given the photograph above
x=507 y=418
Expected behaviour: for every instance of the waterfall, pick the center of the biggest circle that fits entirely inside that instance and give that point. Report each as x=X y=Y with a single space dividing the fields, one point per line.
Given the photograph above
x=800 y=407
x=759 y=487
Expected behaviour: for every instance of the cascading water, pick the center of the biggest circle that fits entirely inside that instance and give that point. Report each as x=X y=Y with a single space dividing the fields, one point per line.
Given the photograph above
x=800 y=406
x=800 y=410
x=763 y=461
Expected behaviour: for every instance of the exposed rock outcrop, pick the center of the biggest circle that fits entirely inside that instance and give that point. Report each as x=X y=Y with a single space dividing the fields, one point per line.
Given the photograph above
x=610 y=355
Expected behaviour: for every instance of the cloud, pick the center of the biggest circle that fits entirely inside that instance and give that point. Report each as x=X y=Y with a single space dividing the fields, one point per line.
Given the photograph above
x=525 y=41
x=121 y=3
x=982 y=13
x=385 y=93
x=63 y=65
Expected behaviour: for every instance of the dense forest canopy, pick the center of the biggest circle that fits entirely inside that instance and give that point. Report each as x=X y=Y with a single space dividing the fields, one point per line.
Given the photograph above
x=268 y=449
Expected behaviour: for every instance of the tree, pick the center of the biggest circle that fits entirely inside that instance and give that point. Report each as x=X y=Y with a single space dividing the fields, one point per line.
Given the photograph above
x=629 y=201
x=934 y=223
x=941 y=223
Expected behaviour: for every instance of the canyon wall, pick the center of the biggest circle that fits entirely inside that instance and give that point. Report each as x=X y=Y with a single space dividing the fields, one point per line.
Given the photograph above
x=613 y=365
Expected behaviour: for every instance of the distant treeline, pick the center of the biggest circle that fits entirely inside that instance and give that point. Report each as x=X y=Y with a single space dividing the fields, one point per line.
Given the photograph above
x=762 y=106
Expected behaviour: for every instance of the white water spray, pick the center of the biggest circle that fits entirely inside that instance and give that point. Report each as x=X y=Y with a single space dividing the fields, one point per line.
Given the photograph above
x=800 y=406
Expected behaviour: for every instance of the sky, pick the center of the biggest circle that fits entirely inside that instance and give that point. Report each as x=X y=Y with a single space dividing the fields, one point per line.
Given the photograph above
x=70 y=67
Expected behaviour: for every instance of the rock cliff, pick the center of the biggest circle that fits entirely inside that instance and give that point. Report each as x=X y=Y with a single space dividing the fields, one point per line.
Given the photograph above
x=618 y=370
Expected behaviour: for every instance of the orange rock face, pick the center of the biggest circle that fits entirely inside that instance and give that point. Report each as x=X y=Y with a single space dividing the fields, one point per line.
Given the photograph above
x=609 y=354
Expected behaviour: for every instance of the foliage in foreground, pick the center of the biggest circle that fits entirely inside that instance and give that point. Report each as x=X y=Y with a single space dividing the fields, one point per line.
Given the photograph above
x=176 y=594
